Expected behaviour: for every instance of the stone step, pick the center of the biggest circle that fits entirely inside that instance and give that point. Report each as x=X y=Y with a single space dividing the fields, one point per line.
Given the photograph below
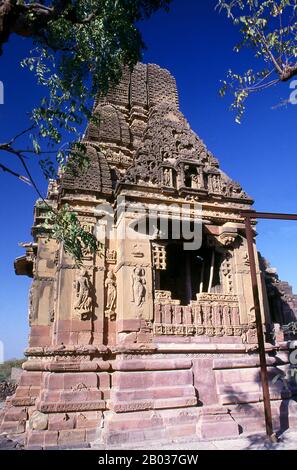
x=15 y=414
x=13 y=427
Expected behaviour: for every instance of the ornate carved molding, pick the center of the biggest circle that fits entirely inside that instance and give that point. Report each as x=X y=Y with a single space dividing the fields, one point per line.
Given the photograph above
x=164 y=297
x=171 y=155
x=217 y=297
x=198 y=330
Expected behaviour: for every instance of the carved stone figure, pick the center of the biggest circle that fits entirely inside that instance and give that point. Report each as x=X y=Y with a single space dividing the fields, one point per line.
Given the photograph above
x=83 y=302
x=138 y=286
x=111 y=295
x=179 y=341
x=111 y=256
x=195 y=181
x=159 y=256
x=167 y=177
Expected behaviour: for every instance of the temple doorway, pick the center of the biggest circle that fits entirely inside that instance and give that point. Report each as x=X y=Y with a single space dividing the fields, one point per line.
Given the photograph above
x=189 y=272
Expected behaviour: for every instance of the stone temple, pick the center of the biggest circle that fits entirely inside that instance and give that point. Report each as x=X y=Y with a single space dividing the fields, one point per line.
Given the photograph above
x=148 y=340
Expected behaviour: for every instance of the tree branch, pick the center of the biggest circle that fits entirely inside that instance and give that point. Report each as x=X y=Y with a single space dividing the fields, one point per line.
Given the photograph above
x=14 y=18
x=21 y=177
x=267 y=49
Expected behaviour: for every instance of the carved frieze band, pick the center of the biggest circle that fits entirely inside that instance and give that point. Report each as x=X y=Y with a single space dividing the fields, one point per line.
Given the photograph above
x=199 y=330
x=210 y=315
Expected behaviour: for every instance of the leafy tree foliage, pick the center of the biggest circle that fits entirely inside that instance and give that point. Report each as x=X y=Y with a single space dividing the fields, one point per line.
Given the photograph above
x=79 y=49
x=269 y=29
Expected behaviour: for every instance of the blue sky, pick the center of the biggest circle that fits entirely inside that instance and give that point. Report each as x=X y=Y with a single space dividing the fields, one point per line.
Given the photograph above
x=196 y=44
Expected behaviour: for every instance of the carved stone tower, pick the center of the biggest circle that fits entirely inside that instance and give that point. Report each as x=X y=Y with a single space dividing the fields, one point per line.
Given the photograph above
x=154 y=337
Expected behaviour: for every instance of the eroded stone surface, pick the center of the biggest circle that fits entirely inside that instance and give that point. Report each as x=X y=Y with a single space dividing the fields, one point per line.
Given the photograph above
x=147 y=340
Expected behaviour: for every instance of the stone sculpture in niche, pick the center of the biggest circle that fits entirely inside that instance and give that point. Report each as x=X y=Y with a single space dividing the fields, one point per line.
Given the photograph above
x=196 y=181
x=138 y=286
x=167 y=177
x=111 y=295
x=83 y=302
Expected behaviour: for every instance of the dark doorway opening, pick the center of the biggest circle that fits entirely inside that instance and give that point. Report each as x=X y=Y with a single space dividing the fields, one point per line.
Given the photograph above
x=190 y=272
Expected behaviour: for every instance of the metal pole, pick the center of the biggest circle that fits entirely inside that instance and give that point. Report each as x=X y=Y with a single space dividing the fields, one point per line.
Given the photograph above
x=211 y=271
x=268 y=215
x=261 y=343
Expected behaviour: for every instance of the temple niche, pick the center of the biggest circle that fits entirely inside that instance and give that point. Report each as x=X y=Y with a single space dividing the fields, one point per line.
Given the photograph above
x=154 y=337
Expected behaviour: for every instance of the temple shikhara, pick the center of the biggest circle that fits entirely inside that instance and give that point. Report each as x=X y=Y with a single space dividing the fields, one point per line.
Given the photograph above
x=151 y=339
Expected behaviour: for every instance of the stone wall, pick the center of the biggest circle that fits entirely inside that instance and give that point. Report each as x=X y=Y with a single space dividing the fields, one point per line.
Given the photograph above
x=112 y=357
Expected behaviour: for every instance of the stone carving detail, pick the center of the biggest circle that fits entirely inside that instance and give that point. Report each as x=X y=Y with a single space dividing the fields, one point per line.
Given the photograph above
x=111 y=295
x=164 y=297
x=169 y=145
x=111 y=256
x=217 y=297
x=79 y=387
x=138 y=286
x=83 y=295
x=167 y=177
x=214 y=183
x=211 y=315
x=168 y=139
x=159 y=256
x=227 y=316
x=31 y=307
x=96 y=177
x=197 y=181
x=227 y=272
x=52 y=315
x=137 y=251
x=227 y=239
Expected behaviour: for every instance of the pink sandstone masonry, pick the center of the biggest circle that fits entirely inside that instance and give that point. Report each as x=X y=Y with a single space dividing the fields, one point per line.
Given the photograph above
x=147 y=341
